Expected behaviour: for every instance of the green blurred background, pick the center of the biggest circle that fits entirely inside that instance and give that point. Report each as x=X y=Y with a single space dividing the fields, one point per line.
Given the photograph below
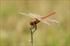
x=14 y=27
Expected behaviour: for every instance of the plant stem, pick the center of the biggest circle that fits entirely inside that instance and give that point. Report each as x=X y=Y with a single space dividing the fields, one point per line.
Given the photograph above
x=32 y=32
x=31 y=38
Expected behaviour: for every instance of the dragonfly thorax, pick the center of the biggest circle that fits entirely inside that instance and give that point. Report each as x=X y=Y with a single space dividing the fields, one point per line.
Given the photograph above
x=34 y=22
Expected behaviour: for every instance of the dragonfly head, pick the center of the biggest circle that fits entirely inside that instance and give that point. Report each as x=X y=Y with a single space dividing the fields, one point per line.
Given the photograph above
x=31 y=23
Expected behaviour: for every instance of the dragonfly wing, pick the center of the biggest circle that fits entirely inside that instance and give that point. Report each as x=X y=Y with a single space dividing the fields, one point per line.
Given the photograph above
x=53 y=20
x=44 y=21
x=27 y=15
x=35 y=15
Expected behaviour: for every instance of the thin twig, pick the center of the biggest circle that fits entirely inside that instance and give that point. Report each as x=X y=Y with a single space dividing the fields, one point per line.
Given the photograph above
x=31 y=38
x=32 y=32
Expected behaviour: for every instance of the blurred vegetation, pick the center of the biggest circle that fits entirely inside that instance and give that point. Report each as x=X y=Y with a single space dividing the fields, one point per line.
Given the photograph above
x=14 y=28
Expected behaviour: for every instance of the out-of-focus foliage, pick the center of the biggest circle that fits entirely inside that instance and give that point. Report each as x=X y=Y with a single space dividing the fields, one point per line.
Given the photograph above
x=14 y=27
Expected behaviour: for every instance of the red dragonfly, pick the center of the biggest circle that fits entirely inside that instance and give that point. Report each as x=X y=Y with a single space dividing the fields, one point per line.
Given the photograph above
x=39 y=18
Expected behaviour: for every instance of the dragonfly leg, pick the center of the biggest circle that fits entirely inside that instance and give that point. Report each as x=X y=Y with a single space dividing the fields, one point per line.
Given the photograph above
x=34 y=28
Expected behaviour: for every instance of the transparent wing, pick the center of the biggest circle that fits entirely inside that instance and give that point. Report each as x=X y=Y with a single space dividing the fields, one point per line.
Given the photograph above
x=35 y=15
x=27 y=15
x=55 y=21
x=42 y=17
x=44 y=21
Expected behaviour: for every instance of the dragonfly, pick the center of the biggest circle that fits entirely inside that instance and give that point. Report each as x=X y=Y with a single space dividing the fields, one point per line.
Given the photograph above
x=38 y=19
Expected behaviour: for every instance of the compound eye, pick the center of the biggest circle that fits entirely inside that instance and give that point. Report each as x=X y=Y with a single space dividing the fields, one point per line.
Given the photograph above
x=31 y=23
